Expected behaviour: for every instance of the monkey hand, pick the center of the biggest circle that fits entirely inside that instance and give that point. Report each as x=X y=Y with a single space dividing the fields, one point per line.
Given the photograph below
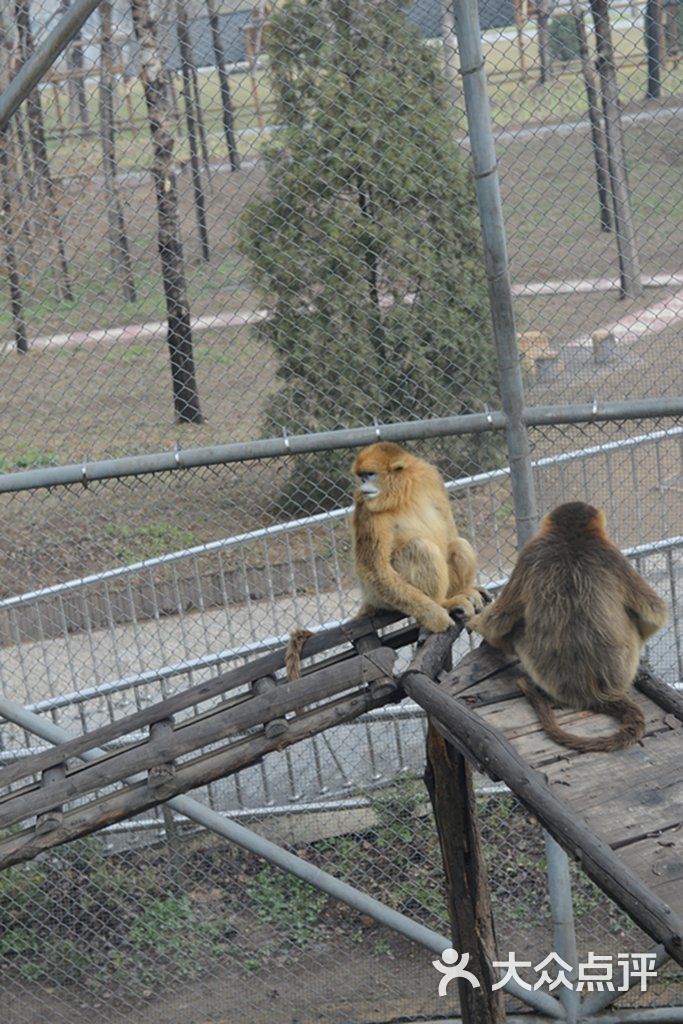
x=435 y=619
x=485 y=595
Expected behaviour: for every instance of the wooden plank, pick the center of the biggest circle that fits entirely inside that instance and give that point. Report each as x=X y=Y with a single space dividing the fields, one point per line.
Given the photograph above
x=192 y=735
x=653 y=761
x=483 y=744
x=214 y=687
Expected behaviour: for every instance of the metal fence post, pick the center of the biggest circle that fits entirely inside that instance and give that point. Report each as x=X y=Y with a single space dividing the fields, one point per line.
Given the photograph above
x=511 y=389
x=496 y=259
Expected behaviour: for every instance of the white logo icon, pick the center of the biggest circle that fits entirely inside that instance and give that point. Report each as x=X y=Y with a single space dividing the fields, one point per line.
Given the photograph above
x=456 y=969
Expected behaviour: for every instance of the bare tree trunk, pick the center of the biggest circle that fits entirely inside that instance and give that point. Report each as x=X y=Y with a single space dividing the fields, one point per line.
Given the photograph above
x=448 y=778
x=190 y=119
x=78 y=107
x=653 y=39
x=520 y=17
x=196 y=94
x=155 y=80
x=629 y=267
x=595 y=118
x=543 y=18
x=450 y=54
x=224 y=80
x=39 y=149
x=118 y=239
x=8 y=178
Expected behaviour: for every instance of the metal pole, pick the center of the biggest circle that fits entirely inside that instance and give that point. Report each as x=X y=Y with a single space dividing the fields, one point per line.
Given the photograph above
x=44 y=57
x=512 y=391
x=496 y=260
x=560 y=893
x=274 y=854
x=333 y=440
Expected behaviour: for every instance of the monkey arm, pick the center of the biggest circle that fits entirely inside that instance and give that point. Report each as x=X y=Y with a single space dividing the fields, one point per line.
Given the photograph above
x=499 y=620
x=645 y=607
x=384 y=587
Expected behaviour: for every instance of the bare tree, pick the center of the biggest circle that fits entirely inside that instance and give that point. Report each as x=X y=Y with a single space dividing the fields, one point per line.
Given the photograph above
x=187 y=66
x=543 y=40
x=595 y=118
x=78 y=105
x=629 y=266
x=653 y=39
x=8 y=181
x=154 y=77
x=36 y=130
x=224 y=80
x=118 y=239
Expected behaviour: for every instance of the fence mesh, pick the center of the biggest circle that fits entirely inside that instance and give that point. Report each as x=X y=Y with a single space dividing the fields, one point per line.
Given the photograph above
x=222 y=223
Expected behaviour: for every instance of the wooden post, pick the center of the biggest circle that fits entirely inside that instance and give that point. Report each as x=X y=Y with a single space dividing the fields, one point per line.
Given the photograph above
x=629 y=267
x=595 y=118
x=448 y=778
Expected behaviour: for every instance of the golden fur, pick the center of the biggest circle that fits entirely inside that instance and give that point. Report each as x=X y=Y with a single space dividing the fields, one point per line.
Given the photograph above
x=576 y=613
x=407 y=551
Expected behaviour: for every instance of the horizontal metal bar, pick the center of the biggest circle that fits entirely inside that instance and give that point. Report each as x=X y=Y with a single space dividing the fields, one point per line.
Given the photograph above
x=274 y=854
x=330 y=440
x=267 y=644
x=44 y=56
x=198 y=550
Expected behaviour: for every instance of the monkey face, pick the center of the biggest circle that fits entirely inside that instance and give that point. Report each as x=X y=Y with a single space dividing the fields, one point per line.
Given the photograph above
x=379 y=471
x=369 y=486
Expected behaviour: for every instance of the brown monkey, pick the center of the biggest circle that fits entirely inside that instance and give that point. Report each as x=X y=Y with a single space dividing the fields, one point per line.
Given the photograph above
x=407 y=551
x=576 y=613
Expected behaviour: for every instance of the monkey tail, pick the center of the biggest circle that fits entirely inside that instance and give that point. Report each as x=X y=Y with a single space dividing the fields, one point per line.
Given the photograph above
x=295 y=646
x=623 y=709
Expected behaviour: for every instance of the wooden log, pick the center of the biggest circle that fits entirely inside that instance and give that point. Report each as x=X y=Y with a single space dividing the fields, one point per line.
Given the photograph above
x=660 y=692
x=276 y=726
x=196 y=734
x=138 y=797
x=483 y=744
x=448 y=778
x=266 y=665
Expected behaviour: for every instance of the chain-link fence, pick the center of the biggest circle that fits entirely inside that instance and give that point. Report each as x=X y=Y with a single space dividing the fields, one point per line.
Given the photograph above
x=223 y=224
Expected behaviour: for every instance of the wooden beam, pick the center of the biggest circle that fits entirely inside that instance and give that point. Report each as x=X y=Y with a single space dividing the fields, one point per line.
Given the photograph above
x=137 y=797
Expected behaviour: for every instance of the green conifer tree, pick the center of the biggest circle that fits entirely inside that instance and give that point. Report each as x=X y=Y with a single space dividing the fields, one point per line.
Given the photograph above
x=366 y=242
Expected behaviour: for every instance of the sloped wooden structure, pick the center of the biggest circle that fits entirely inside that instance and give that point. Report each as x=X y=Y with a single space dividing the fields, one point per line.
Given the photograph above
x=620 y=814
x=201 y=734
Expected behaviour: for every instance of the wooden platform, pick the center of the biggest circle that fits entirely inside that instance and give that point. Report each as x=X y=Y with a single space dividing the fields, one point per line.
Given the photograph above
x=629 y=802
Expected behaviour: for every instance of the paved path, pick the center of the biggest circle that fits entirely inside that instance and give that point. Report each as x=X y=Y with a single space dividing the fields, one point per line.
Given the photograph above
x=653 y=318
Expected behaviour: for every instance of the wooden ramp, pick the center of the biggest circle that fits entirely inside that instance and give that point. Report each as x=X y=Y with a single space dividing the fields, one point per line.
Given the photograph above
x=620 y=814
x=201 y=734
